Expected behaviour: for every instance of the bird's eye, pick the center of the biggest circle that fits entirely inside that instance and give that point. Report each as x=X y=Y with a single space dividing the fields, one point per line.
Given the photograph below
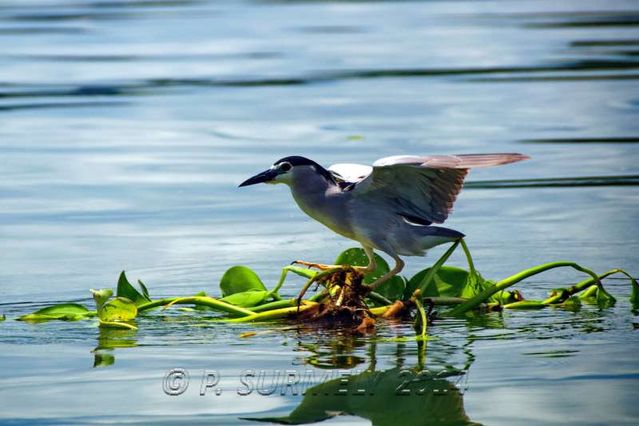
x=286 y=166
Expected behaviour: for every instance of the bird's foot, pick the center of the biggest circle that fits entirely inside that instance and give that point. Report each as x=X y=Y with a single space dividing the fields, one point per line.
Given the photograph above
x=320 y=266
x=332 y=268
x=326 y=276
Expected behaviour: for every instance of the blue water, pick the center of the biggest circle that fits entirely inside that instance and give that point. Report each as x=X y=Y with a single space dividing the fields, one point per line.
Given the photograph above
x=125 y=127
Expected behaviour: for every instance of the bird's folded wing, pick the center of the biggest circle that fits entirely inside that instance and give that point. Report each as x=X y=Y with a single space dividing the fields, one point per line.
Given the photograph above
x=423 y=188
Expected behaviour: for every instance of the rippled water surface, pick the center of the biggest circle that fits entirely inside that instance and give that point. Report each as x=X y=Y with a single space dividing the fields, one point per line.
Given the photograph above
x=125 y=127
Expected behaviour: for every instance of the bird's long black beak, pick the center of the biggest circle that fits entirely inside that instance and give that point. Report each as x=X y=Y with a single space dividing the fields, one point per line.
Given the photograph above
x=265 y=176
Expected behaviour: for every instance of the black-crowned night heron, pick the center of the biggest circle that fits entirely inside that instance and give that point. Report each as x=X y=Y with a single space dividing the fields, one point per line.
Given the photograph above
x=390 y=206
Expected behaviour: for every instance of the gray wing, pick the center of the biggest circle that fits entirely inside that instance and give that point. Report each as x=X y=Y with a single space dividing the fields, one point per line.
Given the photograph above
x=422 y=189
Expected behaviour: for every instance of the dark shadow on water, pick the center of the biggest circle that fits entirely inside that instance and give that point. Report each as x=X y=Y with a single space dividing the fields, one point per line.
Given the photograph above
x=390 y=397
x=61 y=105
x=625 y=139
x=412 y=394
x=150 y=86
x=629 y=180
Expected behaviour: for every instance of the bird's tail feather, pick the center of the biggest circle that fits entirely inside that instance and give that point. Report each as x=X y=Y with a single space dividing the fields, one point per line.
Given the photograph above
x=431 y=236
x=468 y=161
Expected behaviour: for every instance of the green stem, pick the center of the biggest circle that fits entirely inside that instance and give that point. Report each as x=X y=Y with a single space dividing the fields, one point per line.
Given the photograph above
x=319 y=295
x=430 y=275
x=304 y=272
x=199 y=300
x=376 y=297
x=285 y=303
x=273 y=313
x=584 y=285
x=445 y=300
x=417 y=296
x=156 y=303
x=469 y=258
x=514 y=279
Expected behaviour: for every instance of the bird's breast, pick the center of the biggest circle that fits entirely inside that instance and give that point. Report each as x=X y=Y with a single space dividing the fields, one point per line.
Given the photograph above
x=329 y=207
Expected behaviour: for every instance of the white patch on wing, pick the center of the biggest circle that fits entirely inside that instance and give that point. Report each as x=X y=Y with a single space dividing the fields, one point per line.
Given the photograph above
x=397 y=159
x=412 y=223
x=351 y=172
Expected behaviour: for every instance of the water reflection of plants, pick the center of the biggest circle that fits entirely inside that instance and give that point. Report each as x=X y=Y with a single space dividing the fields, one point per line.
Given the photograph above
x=108 y=340
x=403 y=394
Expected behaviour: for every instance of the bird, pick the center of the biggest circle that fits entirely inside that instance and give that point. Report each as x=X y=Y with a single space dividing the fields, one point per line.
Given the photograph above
x=391 y=206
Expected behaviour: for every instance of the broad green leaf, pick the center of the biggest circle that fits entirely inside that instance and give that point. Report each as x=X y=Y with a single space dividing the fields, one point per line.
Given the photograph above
x=101 y=296
x=451 y=281
x=118 y=309
x=391 y=289
x=3 y=317
x=605 y=299
x=126 y=289
x=357 y=257
x=145 y=291
x=247 y=299
x=63 y=311
x=238 y=279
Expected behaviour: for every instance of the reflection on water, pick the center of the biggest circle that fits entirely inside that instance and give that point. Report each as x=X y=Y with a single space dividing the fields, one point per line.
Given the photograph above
x=125 y=127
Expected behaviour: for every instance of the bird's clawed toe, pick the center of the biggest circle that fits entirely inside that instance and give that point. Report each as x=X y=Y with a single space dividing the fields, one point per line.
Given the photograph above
x=319 y=266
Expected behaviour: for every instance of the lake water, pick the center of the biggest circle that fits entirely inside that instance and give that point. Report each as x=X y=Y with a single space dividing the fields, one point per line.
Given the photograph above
x=125 y=127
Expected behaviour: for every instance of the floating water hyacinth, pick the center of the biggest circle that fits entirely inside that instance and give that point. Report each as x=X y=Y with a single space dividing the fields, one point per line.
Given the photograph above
x=344 y=298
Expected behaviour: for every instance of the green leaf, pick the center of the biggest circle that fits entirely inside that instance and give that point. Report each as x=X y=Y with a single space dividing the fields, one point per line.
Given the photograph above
x=596 y=295
x=126 y=289
x=145 y=291
x=118 y=309
x=3 y=317
x=238 y=279
x=247 y=299
x=101 y=296
x=449 y=281
x=392 y=289
x=63 y=311
x=604 y=299
x=357 y=257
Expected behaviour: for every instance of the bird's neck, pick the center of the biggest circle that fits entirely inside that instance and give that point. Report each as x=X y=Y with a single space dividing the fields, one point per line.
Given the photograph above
x=323 y=200
x=310 y=190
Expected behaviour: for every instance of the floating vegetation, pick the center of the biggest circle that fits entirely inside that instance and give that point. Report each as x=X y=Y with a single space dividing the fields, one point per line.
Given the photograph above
x=345 y=298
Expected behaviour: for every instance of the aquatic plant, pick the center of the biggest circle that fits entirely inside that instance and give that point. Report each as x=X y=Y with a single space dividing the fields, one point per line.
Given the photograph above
x=344 y=297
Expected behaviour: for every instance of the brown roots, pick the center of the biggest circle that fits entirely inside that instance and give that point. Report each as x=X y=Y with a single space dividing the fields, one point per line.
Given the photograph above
x=344 y=303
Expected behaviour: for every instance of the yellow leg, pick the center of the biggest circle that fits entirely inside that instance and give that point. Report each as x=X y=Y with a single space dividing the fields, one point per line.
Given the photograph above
x=320 y=266
x=399 y=265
